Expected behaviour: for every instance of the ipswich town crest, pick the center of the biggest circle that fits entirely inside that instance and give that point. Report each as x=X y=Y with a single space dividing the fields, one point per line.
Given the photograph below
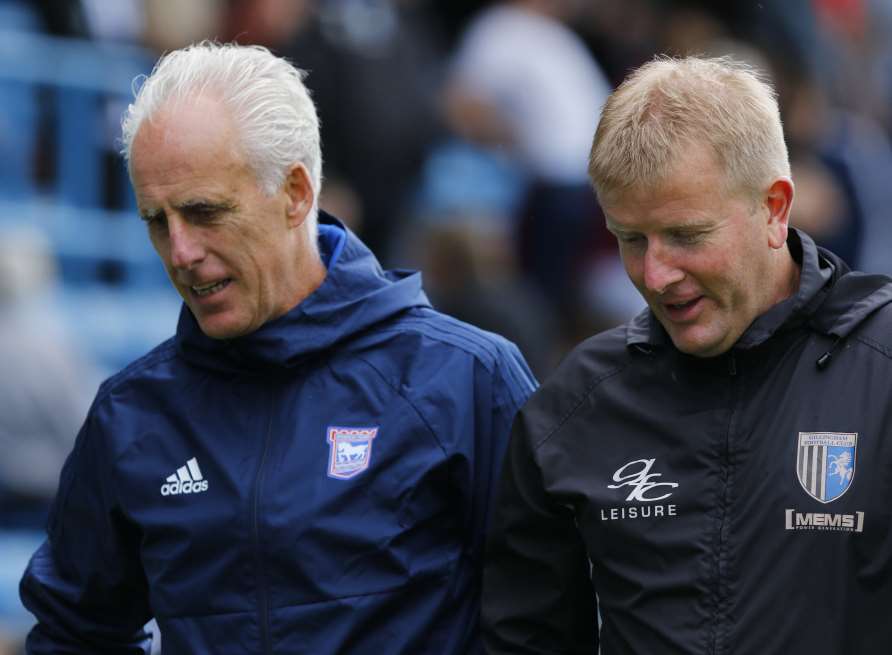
x=349 y=451
x=825 y=463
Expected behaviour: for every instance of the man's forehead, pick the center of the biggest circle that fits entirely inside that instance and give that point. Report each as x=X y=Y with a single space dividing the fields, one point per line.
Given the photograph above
x=187 y=119
x=185 y=139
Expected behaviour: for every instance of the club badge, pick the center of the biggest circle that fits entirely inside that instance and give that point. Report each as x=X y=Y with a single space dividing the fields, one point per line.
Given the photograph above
x=350 y=451
x=825 y=463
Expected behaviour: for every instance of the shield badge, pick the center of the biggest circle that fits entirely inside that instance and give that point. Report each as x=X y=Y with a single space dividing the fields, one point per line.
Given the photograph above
x=825 y=463
x=349 y=451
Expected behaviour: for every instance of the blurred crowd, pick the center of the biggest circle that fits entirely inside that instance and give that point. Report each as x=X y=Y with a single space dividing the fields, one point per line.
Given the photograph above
x=455 y=138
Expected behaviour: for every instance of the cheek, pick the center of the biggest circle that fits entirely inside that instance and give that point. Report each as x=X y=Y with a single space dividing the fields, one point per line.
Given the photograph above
x=161 y=247
x=716 y=271
x=634 y=265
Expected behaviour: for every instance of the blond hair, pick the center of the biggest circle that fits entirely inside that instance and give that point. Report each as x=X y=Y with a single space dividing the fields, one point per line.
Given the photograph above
x=670 y=105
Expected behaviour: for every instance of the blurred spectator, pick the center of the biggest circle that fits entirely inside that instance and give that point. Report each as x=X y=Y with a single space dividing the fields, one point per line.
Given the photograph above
x=828 y=199
x=172 y=24
x=122 y=21
x=25 y=116
x=622 y=35
x=44 y=393
x=159 y=25
x=471 y=275
x=523 y=84
x=43 y=403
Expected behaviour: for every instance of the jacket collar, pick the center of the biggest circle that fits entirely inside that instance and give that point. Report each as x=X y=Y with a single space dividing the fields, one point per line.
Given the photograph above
x=830 y=297
x=356 y=294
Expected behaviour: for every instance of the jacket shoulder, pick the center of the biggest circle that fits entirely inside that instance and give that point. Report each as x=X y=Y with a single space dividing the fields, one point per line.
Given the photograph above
x=450 y=333
x=583 y=370
x=159 y=355
x=876 y=330
x=423 y=351
x=440 y=335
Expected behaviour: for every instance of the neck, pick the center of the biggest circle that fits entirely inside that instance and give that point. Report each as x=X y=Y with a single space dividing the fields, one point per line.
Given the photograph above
x=786 y=274
x=311 y=273
x=307 y=272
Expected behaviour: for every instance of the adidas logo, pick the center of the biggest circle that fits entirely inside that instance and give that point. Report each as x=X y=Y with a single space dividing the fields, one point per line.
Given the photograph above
x=187 y=480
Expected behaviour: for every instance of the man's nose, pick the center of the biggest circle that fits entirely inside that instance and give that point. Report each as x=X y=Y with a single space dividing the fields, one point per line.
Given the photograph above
x=660 y=270
x=186 y=247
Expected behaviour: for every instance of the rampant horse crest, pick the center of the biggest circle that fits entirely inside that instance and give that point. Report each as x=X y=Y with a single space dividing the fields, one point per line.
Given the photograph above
x=349 y=451
x=825 y=463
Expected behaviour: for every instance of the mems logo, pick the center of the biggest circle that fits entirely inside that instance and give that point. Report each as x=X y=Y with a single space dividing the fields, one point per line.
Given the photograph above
x=824 y=521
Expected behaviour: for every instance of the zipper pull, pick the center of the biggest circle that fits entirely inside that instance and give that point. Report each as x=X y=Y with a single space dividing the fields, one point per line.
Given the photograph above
x=824 y=360
x=732 y=364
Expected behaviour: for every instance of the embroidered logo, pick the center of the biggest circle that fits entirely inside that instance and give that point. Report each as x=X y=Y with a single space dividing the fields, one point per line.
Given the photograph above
x=825 y=463
x=349 y=451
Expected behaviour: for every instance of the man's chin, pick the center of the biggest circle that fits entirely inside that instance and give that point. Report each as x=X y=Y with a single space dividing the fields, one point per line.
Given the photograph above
x=221 y=327
x=697 y=345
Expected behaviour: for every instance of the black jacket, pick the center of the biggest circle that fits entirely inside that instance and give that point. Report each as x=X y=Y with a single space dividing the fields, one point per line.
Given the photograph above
x=735 y=505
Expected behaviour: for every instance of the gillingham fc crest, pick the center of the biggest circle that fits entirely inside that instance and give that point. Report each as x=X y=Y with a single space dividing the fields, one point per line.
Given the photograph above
x=350 y=451
x=825 y=463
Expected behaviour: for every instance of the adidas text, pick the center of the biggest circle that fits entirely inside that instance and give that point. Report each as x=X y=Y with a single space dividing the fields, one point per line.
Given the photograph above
x=174 y=488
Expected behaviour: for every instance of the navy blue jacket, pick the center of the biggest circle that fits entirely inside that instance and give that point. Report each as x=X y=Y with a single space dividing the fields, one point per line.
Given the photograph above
x=319 y=486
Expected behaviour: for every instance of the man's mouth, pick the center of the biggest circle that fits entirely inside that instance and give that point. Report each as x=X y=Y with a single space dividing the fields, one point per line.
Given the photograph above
x=202 y=290
x=683 y=311
x=681 y=305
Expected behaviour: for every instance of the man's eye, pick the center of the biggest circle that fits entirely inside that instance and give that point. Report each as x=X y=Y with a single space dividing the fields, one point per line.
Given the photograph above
x=154 y=220
x=688 y=238
x=204 y=213
x=631 y=239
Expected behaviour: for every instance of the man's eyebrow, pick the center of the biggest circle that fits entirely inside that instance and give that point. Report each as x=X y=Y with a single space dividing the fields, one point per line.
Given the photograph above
x=616 y=229
x=693 y=226
x=206 y=205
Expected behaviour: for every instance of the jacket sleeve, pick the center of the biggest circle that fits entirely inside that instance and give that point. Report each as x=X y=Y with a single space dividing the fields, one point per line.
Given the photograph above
x=538 y=596
x=85 y=584
x=508 y=387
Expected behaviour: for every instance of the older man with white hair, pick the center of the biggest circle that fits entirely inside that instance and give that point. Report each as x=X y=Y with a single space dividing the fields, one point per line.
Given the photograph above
x=307 y=466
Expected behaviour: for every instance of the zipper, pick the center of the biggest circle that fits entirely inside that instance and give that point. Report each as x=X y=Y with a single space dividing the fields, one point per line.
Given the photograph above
x=719 y=622
x=262 y=586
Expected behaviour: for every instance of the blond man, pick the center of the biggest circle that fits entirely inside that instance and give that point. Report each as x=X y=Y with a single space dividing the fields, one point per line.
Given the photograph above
x=712 y=476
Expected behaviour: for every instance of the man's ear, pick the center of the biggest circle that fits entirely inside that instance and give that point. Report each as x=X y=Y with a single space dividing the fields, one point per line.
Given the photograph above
x=779 y=202
x=299 y=189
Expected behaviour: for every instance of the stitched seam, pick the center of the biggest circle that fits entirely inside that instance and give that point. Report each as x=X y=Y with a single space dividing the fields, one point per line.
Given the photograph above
x=410 y=403
x=569 y=413
x=320 y=601
x=874 y=345
x=165 y=353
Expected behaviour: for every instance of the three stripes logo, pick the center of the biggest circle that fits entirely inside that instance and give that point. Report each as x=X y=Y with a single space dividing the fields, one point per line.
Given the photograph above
x=187 y=480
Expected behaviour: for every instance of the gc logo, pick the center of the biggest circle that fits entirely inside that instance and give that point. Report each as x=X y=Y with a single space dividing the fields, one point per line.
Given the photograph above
x=636 y=474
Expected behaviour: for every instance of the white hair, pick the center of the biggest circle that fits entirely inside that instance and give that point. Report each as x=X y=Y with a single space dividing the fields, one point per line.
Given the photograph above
x=275 y=116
